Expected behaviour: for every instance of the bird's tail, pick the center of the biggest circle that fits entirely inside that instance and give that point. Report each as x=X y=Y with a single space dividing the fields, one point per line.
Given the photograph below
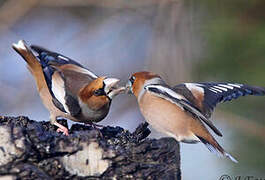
x=215 y=148
x=33 y=64
x=24 y=51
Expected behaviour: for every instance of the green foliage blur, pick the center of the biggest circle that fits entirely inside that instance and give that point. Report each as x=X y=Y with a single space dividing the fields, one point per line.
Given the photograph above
x=234 y=32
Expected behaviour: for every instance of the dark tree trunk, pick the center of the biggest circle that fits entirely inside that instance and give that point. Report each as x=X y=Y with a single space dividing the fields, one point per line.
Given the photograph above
x=34 y=150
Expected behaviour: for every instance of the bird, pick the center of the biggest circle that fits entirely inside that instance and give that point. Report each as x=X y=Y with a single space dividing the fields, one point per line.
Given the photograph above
x=68 y=89
x=183 y=111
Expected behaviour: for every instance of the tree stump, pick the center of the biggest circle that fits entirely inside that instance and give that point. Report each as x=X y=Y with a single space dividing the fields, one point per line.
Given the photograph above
x=34 y=150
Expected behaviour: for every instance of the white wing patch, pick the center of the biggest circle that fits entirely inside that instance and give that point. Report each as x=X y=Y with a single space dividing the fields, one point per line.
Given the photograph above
x=235 y=85
x=215 y=90
x=58 y=90
x=221 y=88
x=194 y=86
x=226 y=86
x=63 y=58
x=167 y=90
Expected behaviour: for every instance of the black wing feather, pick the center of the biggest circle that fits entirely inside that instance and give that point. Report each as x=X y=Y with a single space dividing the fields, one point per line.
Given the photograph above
x=72 y=104
x=215 y=93
x=48 y=57
x=58 y=104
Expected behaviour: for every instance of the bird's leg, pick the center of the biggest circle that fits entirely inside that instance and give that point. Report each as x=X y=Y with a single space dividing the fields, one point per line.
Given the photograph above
x=61 y=128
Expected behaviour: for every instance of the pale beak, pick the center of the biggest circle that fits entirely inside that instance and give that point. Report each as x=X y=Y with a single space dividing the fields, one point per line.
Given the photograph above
x=111 y=88
x=128 y=88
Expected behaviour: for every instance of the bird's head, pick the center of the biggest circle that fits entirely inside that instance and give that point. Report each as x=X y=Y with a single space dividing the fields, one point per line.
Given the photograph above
x=138 y=80
x=99 y=92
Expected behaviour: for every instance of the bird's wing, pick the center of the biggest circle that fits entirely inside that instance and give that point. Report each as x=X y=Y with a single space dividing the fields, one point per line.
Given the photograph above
x=75 y=76
x=170 y=95
x=63 y=99
x=75 y=79
x=48 y=58
x=205 y=96
x=65 y=83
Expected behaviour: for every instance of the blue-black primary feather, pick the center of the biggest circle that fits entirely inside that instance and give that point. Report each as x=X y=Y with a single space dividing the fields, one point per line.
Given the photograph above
x=215 y=93
x=47 y=57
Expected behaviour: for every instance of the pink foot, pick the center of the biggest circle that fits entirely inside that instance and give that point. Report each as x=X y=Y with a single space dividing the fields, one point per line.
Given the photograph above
x=61 y=128
x=64 y=131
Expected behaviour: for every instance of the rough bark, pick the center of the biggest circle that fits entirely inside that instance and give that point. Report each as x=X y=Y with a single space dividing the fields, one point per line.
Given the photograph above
x=34 y=150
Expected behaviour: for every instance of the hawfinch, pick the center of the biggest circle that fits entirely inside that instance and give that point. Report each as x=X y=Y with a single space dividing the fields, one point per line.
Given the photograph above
x=182 y=112
x=66 y=88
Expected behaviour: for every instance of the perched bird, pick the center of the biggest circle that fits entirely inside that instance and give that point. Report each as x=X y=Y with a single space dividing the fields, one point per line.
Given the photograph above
x=183 y=111
x=66 y=88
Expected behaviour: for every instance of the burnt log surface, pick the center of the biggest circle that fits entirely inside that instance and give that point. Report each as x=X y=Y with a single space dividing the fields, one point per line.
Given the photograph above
x=34 y=150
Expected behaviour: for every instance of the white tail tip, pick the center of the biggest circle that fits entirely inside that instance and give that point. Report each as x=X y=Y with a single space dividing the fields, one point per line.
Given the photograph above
x=230 y=157
x=20 y=45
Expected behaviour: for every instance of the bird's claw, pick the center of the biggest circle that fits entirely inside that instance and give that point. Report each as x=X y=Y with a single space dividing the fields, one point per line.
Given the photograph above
x=63 y=130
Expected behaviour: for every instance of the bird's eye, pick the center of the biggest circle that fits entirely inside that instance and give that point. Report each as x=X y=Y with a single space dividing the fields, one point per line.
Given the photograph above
x=132 y=79
x=99 y=92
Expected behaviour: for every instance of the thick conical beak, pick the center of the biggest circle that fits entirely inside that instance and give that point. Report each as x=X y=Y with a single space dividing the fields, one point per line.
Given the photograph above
x=109 y=84
x=128 y=87
x=111 y=88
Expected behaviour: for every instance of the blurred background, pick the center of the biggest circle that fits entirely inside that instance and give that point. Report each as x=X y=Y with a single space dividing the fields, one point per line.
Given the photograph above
x=182 y=40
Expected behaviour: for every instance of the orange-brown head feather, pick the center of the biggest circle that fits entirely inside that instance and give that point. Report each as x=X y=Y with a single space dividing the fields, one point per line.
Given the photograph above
x=139 y=80
x=87 y=96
